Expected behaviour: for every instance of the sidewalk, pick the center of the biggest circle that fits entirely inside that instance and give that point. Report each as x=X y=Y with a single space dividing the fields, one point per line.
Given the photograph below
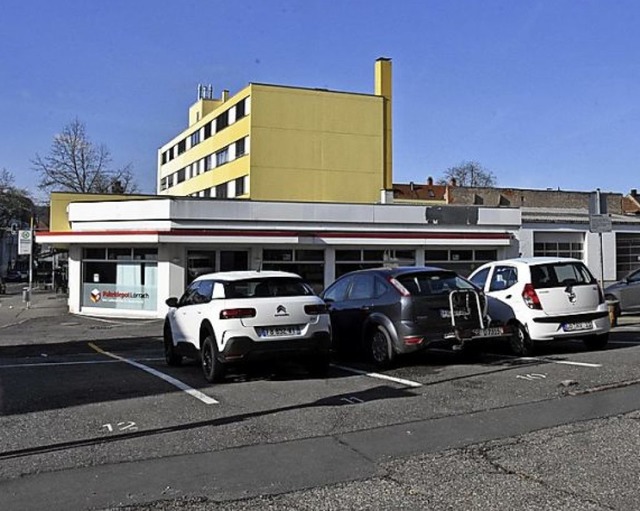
x=44 y=303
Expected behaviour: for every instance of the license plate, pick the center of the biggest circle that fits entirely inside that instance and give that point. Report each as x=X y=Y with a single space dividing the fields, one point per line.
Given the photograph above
x=276 y=331
x=573 y=327
x=488 y=332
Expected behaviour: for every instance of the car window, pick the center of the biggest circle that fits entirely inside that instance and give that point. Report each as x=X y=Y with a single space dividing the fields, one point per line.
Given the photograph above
x=187 y=297
x=634 y=277
x=381 y=287
x=560 y=275
x=363 y=287
x=267 y=287
x=433 y=283
x=203 y=292
x=503 y=278
x=337 y=291
x=480 y=278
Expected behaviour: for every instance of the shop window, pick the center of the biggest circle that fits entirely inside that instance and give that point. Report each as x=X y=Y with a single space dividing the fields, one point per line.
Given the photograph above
x=95 y=253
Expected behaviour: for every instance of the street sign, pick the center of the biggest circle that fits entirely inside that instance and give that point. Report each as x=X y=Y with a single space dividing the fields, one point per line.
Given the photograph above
x=600 y=223
x=24 y=242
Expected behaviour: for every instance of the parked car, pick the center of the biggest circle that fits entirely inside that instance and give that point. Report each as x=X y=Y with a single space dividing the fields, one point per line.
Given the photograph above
x=385 y=312
x=230 y=317
x=545 y=299
x=16 y=276
x=626 y=293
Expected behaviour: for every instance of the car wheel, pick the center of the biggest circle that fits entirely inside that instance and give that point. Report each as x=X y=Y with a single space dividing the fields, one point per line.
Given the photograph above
x=170 y=355
x=521 y=344
x=380 y=350
x=212 y=368
x=596 y=342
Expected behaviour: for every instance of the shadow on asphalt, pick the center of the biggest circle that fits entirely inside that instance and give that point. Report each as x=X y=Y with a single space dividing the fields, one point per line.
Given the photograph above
x=46 y=376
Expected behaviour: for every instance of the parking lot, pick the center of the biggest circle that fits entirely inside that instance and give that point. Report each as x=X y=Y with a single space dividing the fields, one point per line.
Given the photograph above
x=98 y=393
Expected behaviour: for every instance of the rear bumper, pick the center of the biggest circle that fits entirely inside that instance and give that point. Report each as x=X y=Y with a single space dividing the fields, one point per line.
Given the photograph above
x=549 y=328
x=450 y=336
x=245 y=348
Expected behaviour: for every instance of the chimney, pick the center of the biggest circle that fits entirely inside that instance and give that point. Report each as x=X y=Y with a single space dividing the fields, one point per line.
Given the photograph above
x=225 y=95
x=634 y=192
x=430 y=181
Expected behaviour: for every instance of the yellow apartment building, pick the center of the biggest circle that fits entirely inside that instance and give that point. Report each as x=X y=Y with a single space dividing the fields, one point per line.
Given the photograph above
x=281 y=143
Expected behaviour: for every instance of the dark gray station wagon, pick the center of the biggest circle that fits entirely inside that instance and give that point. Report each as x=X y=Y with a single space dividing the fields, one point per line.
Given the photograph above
x=390 y=311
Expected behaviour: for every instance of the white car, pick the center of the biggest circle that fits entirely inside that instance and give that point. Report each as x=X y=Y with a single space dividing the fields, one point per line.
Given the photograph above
x=230 y=317
x=545 y=299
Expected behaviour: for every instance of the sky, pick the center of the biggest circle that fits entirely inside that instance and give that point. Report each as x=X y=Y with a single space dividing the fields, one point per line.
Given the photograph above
x=544 y=94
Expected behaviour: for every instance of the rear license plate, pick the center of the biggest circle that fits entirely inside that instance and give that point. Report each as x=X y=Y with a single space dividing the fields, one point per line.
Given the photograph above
x=488 y=332
x=574 y=327
x=277 y=331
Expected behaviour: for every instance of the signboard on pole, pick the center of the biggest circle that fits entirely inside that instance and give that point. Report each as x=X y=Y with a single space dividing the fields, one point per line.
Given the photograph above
x=24 y=242
x=600 y=223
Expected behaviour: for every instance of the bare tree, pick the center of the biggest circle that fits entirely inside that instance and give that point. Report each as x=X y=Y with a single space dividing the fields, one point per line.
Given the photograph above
x=16 y=206
x=76 y=164
x=469 y=173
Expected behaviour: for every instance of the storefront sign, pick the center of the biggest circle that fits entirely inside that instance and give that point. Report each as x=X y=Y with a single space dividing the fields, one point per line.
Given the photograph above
x=112 y=296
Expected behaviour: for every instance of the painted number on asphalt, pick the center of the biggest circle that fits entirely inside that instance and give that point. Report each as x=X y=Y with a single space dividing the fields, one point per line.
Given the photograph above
x=531 y=376
x=121 y=426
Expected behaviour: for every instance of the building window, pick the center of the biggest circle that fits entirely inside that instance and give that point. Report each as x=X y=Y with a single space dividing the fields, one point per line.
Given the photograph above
x=163 y=184
x=209 y=162
x=182 y=147
x=195 y=138
x=309 y=264
x=568 y=244
x=120 y=278
x=463 y=261
x=180 y=175
x=240 y=148
x=222 y=121
x=240 y=186
x=222 y=156
x=240 y=109
x=359 y=259
x=221 y=191
x=206 y=193
x=207 y=130
x=164 y=158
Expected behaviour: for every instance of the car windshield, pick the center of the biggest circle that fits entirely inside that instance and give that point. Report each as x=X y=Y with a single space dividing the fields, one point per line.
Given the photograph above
x=433 y=283
x=560 y=275
x=266 y=287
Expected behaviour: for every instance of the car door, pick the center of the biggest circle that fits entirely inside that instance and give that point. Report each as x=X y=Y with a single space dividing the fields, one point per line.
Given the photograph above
x=191 y=311
x=357 y=307
x=630 y=293
x=503 y=292
x=335 y=298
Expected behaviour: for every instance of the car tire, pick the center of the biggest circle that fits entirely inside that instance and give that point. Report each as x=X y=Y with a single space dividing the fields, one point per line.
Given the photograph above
x=521 y=343
x=596 y=342
x=318 y=366
x=170 y=356
x=212 y=368
x=380 y=349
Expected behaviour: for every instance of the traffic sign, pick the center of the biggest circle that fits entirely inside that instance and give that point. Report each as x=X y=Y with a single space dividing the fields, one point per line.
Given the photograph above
x=24 y=242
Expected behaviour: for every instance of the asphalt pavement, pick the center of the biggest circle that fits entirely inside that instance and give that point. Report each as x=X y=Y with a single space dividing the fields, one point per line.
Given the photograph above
x=571 y=453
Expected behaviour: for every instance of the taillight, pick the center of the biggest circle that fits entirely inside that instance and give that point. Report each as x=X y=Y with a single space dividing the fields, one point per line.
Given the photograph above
x=410 y=340
x=530 y=297
x=315 y=309
x=237 y=313
x=401 y=289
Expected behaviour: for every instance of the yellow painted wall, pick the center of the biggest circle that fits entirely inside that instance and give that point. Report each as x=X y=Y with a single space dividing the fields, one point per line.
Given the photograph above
x=59 y=202
x=312 y=145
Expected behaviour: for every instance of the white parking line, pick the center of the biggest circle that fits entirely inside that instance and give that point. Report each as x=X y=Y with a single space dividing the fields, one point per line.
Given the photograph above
x=401 y=381
x=563 y=362
x=79 y=363
x=176 y=383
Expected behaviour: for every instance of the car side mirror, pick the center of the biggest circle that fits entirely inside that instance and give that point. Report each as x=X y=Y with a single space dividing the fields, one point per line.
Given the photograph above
x=172 y=301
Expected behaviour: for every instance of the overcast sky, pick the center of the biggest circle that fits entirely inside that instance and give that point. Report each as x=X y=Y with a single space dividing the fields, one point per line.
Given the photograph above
x=543 y=93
